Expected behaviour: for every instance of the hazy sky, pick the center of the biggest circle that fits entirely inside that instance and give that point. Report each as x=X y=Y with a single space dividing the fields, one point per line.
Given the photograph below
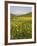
x=20 y=10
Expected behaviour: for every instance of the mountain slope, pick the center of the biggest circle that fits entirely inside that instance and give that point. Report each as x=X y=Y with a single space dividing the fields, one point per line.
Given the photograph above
x=28 y=15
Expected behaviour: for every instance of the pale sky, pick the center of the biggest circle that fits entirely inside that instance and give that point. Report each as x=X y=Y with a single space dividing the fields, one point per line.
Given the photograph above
x=20 y=10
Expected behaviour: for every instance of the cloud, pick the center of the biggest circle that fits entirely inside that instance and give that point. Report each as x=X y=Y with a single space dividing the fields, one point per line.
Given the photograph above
x=20 y=10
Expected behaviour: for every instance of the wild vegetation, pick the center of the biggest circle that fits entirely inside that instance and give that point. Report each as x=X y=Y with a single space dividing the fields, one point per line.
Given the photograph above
x=21 y=26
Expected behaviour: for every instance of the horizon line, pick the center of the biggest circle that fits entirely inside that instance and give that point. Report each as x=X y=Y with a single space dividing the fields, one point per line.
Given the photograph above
x=21 y=14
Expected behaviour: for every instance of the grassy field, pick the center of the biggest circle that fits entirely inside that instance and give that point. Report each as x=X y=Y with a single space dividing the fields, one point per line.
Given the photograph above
x=21 y=26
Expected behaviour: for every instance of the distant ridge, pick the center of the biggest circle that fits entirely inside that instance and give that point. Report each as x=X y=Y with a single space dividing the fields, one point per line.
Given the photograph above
x=28 y=14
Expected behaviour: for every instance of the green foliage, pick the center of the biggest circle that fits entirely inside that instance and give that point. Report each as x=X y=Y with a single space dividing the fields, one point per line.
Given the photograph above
x=21 y=26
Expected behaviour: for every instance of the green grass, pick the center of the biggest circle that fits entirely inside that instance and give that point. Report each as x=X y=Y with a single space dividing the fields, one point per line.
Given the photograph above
x=21 y=26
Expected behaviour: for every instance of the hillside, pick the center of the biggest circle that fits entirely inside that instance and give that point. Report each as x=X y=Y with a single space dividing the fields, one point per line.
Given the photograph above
x=21 y=26
x=28 y=15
